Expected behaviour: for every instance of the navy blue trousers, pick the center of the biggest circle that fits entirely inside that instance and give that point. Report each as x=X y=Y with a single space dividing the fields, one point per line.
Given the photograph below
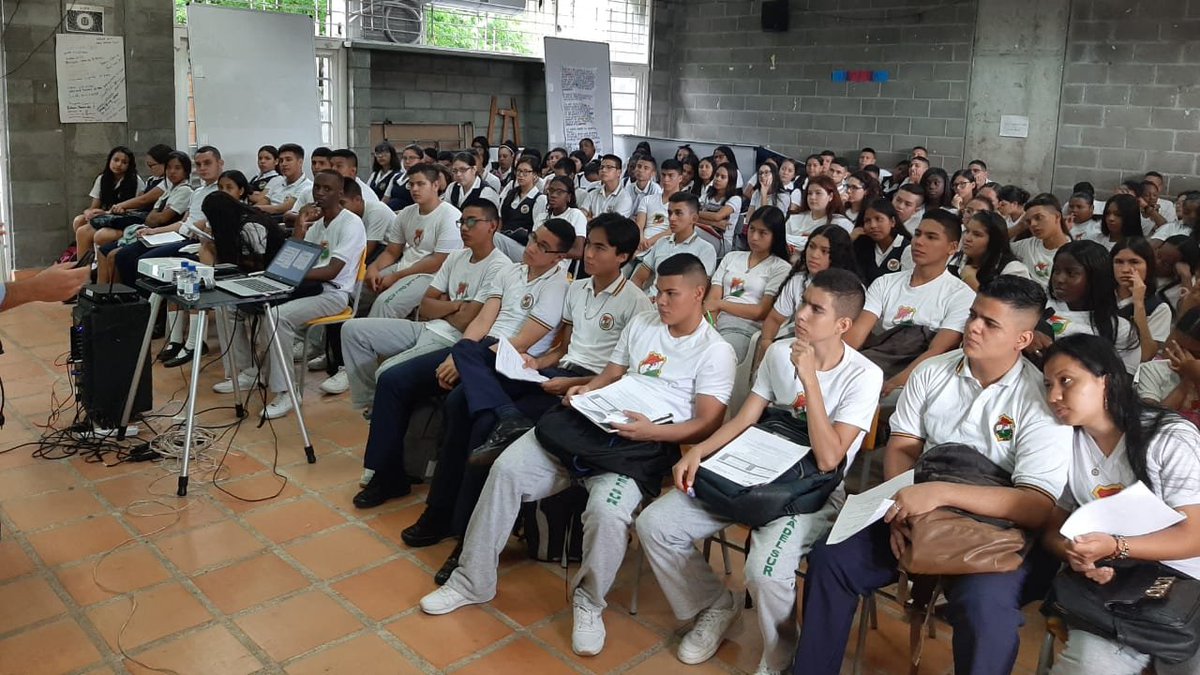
x=985 y=609
x=398 y=391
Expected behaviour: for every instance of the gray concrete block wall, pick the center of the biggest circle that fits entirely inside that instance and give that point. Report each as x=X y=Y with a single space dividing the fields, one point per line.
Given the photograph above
x=53 y=164
x=1130 y=102
x=423 y=88
x=722 y=81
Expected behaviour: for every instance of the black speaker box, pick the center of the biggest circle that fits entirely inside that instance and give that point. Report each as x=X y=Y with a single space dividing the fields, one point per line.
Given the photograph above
x=107 y=326
x=775 y=16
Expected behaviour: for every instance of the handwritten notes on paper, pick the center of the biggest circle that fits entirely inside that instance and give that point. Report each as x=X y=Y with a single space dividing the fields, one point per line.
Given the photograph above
x=91 y=78
x=579 y=104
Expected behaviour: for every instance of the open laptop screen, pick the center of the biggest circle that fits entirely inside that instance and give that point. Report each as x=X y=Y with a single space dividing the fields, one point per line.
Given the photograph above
x=293 y=261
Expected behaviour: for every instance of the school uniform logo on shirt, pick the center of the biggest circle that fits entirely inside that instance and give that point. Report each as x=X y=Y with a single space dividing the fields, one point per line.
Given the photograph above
x=324 y=250
x=1004 y=429
x=800 y=407
x=1042 y=270
x=607 y=322
x=893 y=265
x=524 y=209
x=905 y=315
x=417 y=236
x=1102 y=491
x=652 y=365
x=1058 y=324
x=659 y=219
x=527 y=301
x=461 y=291
x=737 y=287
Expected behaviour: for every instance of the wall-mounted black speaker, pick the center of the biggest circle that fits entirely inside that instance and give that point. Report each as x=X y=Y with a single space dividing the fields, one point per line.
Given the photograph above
x=775 y=16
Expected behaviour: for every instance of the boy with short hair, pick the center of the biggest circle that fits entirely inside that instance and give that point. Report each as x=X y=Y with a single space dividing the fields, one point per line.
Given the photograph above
x=675 y=353
x=651 y=216
x=285 y=198
x=345 y=162
x=418 y=241
x=321 y=160
x=643 y=187
x=609 y=196
x=909 y=202
x=833 y=390
x=683 y=214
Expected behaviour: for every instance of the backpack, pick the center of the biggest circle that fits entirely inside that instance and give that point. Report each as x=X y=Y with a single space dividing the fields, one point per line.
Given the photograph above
x=548 y=522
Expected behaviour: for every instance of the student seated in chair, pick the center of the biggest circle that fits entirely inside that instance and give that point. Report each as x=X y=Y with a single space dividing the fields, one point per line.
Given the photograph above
x=676 y=354
x=828 y=388
x=682 y=217
x=285 y=198
x=523 y=305
x=912 y=316
x=487 y=411
x=610 y=196
x=988 y=397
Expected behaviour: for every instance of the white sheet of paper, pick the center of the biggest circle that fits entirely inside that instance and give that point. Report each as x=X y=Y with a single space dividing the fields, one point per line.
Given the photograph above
x=755 y=458
x=608 y=404
x=1132 y=512
x=864 y=509
x=510 y=364
x=161 y=239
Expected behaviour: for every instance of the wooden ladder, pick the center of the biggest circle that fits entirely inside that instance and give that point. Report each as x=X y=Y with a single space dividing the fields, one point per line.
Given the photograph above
x=504 y=115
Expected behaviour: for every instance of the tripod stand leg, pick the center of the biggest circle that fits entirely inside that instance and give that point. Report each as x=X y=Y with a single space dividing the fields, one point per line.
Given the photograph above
x=285 y=358
x=190 y=423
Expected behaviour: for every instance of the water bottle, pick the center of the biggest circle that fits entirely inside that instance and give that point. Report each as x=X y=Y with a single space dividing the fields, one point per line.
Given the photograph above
x=189 y=283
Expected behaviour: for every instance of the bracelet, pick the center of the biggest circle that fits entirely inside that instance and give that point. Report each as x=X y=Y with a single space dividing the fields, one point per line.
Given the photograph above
x=1122 y=548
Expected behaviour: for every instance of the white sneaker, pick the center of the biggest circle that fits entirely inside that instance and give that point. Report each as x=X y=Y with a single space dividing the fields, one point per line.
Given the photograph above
x=317 y=363
x=245 y=380
x=368 y=474
x=339 y=383
x=281 y=405
x=587 y=637
x=706 y=635
x=764 y=670
x=443 y=601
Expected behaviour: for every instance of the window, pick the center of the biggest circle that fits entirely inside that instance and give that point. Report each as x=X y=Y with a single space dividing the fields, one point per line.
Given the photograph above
x=629 y=99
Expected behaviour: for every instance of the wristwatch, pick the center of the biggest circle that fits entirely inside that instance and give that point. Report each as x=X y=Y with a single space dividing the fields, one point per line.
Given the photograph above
x=1122 y=547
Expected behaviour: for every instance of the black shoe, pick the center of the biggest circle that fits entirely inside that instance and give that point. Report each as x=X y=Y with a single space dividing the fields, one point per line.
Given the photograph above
x=507 y=430
x=427 y=531
x=170 y=351
x=448 y=567
x=184 y=357
x=378 y=491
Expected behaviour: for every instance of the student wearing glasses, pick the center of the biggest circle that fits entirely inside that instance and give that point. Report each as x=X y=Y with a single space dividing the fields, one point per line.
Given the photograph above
x=467 y=183
x=610 y=196
x=518 y=201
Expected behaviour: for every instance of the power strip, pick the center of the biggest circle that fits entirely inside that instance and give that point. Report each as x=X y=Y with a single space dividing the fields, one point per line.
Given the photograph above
x=130 y=431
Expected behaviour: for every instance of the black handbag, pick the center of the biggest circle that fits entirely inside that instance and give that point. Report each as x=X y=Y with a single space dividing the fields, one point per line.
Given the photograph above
x=585 y=449
x=803 y=488
x=1147 y=607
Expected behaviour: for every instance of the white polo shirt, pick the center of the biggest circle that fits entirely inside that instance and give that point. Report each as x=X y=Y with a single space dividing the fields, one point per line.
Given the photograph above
x=178 y=198
x=1008 y=422
x=600 y=201
x=677 y=368
x=781 y=200
x=521 y=298
x=377 y=217
x=944 y=302
x=652 y=191
x=572 y=215
x=424 y=235
x=801 y=225
x=464 y=280
x=597 y=319
x=1172 y=465
x=368 y=193
x=344 y=238
x=666 y=247
x=194 y=212
x=1171 y=229
x=1038 y=259
x=486 y=193
x=1065 y=322
x=1159 y=320
x=747 y=285
x=850 y=389
x=278 y=192
x=1156 y=381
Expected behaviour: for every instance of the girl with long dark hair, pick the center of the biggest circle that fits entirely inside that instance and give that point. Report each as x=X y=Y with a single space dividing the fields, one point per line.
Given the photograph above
x=862 y=189
x=985 y=251
x=821 y=205
x=1119 y=440
x=385 y=168
x=1137 y=294
x=118 y=182
x=721 y=209
x=1121 y=220
x=880 y=248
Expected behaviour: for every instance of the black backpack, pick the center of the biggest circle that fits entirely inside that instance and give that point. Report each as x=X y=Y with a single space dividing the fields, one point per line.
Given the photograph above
x=546 y=523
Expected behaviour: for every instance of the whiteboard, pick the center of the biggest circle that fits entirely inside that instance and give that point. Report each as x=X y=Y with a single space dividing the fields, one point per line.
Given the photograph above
x=254 y=79
x=578 y=93
x=91 y=78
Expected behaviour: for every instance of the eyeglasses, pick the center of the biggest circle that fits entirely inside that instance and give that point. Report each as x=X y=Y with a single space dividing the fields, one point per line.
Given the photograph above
x=556 y=191
x=459 y=172
x=541 y=246
x=962 y=184
x=525 y=172
x=609 y=167
x=852 y=186
x=468 y=223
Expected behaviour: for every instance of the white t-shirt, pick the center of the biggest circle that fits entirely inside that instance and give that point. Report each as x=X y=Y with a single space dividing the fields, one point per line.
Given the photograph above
x=195 y=214
x=1170 y=229
x=942 y=303
x=656 y=217
x=653 y=191
x=377 y=217
x=1009 y=422
x=368 y=193
x=850 y=389
x=1038 y=259
x=1065 y=322
x=1156 y=381
x=462 y=279
x=1172 y=465
x=678 y=368
x=1159 y=321
x=424 y=235
x=1088 y=230
x=572 y=215
x=599 y=201
x=280 y=191
x=597 y=319
x=791 y=295
x=540 y=299
x=344 y=238
x=743 y=284
x=666 y=247
x=799 y=226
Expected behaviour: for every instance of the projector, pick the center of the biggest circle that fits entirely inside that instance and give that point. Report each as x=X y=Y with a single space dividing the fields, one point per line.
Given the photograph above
x=163 y=269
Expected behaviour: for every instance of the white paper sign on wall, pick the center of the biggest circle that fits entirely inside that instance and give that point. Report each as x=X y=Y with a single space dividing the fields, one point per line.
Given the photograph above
x=1014 y=126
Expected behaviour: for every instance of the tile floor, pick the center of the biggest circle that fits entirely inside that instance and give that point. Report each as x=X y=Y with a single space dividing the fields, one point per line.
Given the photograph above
x=104 y=570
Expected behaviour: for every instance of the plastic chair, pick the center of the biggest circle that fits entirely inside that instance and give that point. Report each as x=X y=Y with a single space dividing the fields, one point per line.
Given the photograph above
x=867 y=450
x=335 y=319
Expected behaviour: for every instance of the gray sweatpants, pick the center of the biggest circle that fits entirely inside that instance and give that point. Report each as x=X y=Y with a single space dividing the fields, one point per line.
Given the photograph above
x=669 y=529
x=526 y=473
x=401 y=298
x=290 y=318
x=367 y=341
x=737 y=332
x=1089 y=653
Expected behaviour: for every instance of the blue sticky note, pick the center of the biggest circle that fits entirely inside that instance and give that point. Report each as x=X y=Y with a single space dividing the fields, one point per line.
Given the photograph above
x=879 y=76
x=840 y=76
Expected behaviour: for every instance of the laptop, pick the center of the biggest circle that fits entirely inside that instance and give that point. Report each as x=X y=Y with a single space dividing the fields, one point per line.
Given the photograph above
x=293 y=261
